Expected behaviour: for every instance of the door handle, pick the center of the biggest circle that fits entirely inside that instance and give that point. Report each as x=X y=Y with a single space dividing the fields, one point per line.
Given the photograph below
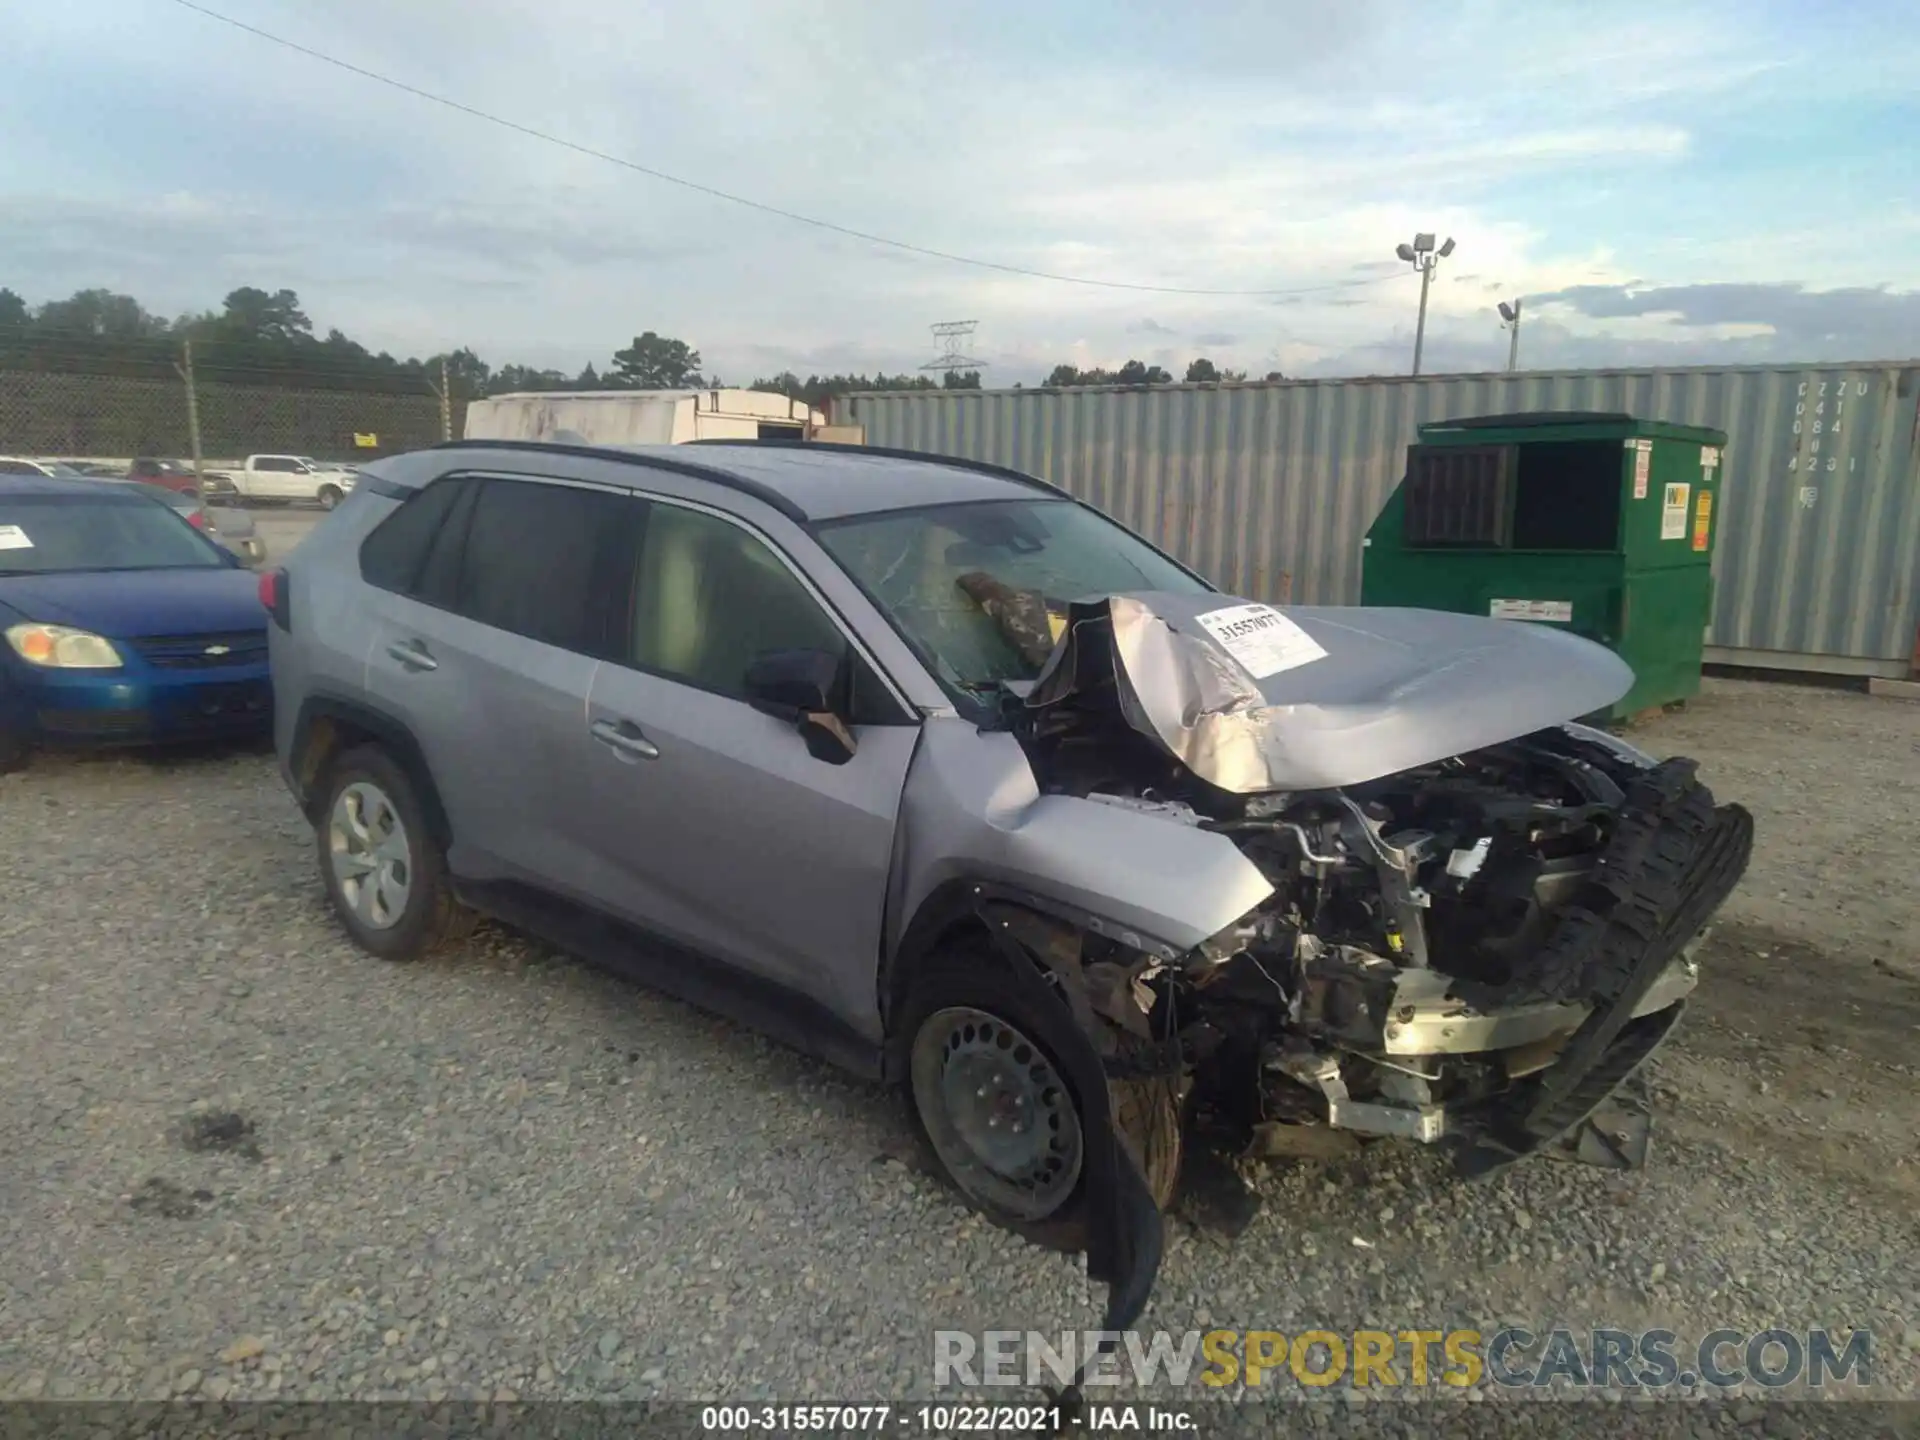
x=412 y=654
x=625 y=736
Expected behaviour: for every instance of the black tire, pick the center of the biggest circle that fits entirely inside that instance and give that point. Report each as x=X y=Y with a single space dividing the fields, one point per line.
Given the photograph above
x=329 y=496
x=431 y=916
x=968 y=974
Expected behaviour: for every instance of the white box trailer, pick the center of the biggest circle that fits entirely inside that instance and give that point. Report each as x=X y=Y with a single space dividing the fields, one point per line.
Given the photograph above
x=641 y=417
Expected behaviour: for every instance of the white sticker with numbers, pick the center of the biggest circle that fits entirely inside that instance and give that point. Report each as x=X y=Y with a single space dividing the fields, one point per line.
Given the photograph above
x=1709 y=456
x=1673 y=513
x=1261 y=639
x=1642 y=467
x=12 y=537
x=1558 y=612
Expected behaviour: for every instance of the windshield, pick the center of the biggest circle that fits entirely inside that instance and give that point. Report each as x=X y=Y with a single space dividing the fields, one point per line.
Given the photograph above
x=46 y=534
x=981 y=590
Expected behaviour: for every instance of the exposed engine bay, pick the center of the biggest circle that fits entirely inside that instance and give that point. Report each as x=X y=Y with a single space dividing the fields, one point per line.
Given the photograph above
x=1475 y=949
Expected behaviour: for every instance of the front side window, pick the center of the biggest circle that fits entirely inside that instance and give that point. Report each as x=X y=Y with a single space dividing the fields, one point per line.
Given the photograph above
x=712 y=597
x=550 y=562
x=980 y=590
x=41 y=534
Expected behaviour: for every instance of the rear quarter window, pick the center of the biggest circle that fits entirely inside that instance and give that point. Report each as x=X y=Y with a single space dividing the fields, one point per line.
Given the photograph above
x=393 y=557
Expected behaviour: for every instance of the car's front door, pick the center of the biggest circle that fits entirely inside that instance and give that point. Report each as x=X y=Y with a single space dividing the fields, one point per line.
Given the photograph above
x=267 y=478
x=710 y=821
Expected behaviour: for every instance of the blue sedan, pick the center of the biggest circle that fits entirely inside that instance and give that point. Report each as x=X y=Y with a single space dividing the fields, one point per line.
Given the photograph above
x=121 y=624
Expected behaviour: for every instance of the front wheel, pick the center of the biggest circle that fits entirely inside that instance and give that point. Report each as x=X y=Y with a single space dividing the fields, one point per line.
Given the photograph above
x=329 y=496
x=993 y=1106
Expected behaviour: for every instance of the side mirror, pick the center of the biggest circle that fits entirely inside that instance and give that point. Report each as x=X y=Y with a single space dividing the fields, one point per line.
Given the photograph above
x=798 y=688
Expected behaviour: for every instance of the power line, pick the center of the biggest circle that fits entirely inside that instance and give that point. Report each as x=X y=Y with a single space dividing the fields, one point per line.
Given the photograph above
x=733 y=199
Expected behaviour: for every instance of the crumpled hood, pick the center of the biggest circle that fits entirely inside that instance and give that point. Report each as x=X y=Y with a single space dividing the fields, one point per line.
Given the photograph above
x=1251 y=698
x=125 y=603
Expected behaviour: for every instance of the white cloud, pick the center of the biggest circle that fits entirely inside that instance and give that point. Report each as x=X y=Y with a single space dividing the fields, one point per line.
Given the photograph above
x=1274 y=146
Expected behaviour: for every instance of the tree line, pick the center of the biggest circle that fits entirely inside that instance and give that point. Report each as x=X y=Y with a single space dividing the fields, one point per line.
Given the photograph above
x=265 y=337
x=1135 y=372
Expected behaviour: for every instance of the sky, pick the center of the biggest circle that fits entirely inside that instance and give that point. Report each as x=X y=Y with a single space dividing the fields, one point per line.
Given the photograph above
x=1675 y=183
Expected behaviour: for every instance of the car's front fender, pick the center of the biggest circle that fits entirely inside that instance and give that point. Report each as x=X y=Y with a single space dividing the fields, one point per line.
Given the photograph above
x=973 y=813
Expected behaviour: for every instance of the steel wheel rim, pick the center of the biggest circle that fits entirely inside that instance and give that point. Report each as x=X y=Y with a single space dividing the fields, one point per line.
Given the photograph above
x=369 y=854
x=997 y=1112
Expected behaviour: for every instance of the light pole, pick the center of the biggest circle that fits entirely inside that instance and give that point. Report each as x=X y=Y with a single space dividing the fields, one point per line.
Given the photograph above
x=1510 y=316
x=1423 y=257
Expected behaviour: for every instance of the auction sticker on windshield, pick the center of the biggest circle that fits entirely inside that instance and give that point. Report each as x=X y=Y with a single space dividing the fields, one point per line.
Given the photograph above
x=1264 y=641
x=12 y=537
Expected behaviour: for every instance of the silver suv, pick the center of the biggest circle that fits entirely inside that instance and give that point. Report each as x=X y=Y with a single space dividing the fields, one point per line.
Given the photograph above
x=938 y=773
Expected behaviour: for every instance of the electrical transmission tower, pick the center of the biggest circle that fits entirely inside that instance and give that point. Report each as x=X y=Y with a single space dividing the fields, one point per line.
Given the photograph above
x=952 y=336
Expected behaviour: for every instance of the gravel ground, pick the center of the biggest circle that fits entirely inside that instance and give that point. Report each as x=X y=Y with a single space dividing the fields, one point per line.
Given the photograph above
x=504 y=1174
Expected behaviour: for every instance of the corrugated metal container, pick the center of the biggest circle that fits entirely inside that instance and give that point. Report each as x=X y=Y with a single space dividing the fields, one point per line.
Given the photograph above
x=1268 y=489
x=638 y=417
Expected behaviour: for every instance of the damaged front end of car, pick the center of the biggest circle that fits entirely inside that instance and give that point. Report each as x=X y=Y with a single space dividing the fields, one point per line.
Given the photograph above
x=1482 y=915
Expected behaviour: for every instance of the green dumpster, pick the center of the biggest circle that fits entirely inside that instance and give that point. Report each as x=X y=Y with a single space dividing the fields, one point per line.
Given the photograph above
x=1603 y=524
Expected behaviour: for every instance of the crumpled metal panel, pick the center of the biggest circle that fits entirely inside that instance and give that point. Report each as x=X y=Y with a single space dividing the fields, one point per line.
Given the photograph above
x=1394 y=688
x=972 y=810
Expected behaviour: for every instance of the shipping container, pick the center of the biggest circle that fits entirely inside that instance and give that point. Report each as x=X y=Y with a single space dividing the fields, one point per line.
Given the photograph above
x=640 y=417
x=1268 y=489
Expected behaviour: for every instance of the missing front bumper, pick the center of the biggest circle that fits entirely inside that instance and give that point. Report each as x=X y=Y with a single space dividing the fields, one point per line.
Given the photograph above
x=1627 y=953
x=1427 y=1021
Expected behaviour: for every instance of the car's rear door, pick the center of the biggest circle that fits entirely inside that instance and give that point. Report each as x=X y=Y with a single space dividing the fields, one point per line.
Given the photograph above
x=488 y=651
x=708 y=820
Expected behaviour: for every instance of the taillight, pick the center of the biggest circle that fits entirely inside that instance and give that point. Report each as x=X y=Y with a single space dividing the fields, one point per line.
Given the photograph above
x=198 y=519
x=273 y=595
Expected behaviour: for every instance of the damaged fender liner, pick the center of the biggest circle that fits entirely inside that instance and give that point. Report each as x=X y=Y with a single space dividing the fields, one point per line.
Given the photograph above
x=1672 y=862
x=1124 y=1232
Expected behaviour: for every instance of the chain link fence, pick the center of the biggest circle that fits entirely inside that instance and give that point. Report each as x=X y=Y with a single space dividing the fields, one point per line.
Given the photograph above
x=45 y=414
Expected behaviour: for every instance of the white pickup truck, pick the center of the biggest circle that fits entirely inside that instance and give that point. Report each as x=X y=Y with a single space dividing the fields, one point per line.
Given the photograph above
x=285 y=478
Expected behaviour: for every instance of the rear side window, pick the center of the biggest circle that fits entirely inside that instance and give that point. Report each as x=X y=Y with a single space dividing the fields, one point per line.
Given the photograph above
x=550 y=562
x=395 y=554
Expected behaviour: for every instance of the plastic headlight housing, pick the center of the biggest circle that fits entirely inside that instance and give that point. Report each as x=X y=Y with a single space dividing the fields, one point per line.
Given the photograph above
x=61 y=647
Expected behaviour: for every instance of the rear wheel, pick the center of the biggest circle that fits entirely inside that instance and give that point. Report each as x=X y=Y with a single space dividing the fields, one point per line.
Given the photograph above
x=993 y=1107
x=329 y=496
x=386 y=877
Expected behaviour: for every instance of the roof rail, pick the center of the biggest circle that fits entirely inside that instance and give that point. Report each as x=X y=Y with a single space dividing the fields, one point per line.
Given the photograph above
x=926 y=457
x=766 y=494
